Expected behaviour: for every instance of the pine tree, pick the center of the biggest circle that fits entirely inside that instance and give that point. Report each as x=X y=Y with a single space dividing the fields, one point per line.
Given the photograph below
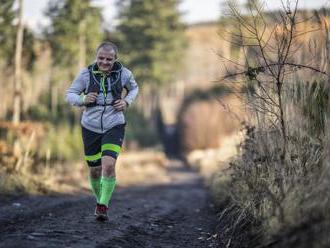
x=7 y=31
x=74 y=33
x=18 y=66
x=151 y=39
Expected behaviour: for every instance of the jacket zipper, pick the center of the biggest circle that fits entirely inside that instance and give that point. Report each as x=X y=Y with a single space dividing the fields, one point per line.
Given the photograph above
x=102 y=118
x=104 y=97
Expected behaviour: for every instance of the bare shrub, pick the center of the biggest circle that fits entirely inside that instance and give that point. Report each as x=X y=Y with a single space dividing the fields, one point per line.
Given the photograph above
x=281 y=174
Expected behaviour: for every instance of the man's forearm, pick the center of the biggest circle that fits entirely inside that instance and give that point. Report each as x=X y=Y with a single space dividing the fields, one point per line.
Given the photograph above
x=131 y=96
x=75 y=99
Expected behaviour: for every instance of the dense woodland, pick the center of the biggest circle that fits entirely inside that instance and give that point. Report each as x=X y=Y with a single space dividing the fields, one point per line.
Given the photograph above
x=38 y=74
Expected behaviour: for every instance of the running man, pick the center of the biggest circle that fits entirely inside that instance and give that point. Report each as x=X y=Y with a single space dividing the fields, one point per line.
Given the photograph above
x=99 y=88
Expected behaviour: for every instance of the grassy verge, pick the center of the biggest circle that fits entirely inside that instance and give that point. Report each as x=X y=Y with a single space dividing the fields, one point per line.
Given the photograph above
x=267 y=200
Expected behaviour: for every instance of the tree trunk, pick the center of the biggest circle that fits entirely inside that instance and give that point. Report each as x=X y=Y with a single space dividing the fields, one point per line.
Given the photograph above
x=54 y=100
x=82 y=45
x=18 y=61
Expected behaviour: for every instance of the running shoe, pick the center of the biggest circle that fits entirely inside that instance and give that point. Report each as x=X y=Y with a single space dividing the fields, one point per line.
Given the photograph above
x=101 y=212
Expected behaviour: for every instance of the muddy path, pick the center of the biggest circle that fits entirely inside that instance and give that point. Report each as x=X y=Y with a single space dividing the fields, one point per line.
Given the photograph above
x=178 y=213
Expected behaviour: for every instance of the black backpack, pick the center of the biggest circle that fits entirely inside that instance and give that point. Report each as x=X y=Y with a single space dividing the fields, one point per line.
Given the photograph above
x=115 y=88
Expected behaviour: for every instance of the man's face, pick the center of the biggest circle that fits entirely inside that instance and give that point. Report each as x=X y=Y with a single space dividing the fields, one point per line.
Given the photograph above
x=105 y=59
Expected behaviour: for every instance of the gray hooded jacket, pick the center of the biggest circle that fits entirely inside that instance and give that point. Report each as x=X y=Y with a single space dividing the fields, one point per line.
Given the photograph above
x=103 y=116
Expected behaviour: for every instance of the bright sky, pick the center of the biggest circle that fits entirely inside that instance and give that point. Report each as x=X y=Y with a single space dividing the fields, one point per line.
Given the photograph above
x=194 y=10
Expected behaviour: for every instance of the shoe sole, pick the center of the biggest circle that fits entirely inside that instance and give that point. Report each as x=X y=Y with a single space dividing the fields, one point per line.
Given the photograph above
x=102 y=218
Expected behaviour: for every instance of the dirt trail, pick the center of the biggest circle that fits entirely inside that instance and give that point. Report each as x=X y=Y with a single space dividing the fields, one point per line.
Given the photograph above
x=168 y=215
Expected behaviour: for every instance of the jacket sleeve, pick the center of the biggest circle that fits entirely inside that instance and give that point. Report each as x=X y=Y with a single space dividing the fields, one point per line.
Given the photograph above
x=73 y=93
x=132 y=88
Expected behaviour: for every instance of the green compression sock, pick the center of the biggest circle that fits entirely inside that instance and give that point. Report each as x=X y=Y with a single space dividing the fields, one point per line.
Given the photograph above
x=95 y=184
x=108 y=185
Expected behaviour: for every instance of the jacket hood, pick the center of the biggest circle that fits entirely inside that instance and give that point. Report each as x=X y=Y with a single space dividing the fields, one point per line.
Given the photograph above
x=117 y=67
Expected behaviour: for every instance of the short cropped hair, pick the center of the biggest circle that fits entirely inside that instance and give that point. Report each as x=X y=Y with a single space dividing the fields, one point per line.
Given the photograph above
x=107 y=45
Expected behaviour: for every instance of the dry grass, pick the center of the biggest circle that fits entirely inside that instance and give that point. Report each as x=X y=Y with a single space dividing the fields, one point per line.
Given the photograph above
x=133 y=168
x=144 y=167
x=213 y=161
x=65 y=178
x=277 y=186
x=288 y=197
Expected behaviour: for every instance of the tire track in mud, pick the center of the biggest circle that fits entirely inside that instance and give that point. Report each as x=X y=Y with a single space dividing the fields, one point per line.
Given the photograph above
x=177 y=214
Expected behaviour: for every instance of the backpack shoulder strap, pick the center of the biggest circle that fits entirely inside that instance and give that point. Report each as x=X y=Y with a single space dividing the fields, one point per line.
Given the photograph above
x=92 y=85
x=90 y=78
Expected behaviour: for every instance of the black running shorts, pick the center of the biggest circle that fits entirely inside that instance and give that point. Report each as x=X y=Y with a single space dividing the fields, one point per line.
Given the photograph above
x=97 y=145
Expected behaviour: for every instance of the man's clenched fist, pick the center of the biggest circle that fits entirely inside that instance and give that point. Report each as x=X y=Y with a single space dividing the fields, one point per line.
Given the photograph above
x=90 y=97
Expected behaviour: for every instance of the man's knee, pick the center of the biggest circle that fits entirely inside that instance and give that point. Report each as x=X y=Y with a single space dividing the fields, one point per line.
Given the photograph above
x=108 y=166
x=96 y=171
